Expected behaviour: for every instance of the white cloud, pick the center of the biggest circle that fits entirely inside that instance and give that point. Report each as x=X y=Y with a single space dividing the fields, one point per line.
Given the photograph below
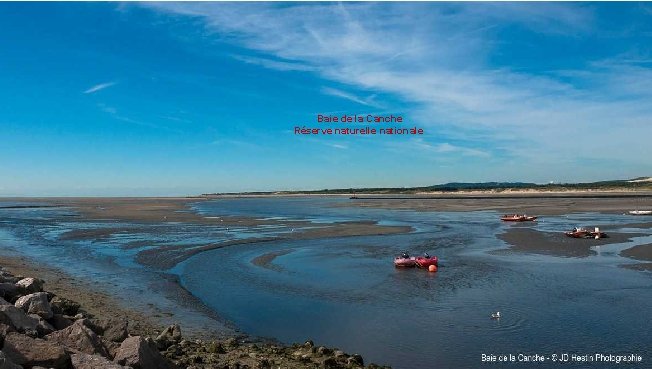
x=99 y=87
x=368 y=101
x=435 y=58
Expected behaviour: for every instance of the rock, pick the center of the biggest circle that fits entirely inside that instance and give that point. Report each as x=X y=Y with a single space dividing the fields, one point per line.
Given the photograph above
x=114 y=329
x=85 y=361
x=339 y=354
x=6 y=277
x=309 y=344
x=355 y=360
x=118 y=331
x=6 y=363
x=63 y=306
x=4 y=329
x=170 y=336
x=43 y=326
x=3 y=302
x=324 y=351
x=79 y=338
x=111 y=348
x=330 y=363
x=7 y=290
x=59 y=322
x=35 y=303
x=214 y=347
x=231 y=342
x=30 y=285
x=140 y=354
x=18 y=320
x=29 y=352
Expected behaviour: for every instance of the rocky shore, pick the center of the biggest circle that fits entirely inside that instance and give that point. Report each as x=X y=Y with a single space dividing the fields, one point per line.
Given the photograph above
x=39 y=329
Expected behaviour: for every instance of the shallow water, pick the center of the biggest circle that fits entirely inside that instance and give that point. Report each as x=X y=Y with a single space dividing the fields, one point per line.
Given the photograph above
x=344 y=292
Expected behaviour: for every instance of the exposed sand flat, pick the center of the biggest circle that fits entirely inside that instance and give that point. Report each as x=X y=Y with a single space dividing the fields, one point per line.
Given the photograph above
x=557 y=244
x=93 y=234
x=641 y=252
x=535 y=204
x=265 y=260
x=639 y=266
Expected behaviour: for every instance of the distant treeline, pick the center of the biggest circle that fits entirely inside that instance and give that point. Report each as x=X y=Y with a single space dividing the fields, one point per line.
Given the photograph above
x=625 y=184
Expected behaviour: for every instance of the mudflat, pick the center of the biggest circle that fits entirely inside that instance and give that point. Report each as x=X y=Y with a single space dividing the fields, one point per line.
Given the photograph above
x=540 y=203
x=557 y=244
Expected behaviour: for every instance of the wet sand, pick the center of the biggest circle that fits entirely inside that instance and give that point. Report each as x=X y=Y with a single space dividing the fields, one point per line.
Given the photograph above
x=557 y=244
x=641 y=252
x=538 y=204
x=165 y=257
x=266 y=260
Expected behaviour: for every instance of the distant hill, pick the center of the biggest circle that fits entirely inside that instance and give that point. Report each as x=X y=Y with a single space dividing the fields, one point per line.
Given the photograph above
x=635 y=184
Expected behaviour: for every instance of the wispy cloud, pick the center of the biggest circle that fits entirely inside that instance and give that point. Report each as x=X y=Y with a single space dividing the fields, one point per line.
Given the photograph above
x=368 y=101
x=99 y=87
x=434 y=57
x=115 y=114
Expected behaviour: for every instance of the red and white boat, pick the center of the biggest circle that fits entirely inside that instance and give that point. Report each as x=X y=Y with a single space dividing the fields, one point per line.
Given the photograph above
x=517 y=218
x=585 y=233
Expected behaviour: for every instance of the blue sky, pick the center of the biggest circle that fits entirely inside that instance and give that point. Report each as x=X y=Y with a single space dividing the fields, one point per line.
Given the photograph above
x=185 y=98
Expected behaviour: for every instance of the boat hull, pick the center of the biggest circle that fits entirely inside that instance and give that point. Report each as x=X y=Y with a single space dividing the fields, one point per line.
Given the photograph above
x=585 y=234
x=400 y=262
x=423 y=262
x=517 y=218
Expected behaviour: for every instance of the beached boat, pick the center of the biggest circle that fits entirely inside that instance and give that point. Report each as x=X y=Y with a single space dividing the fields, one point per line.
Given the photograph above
x=405 y=262
x=585 y=233
x=517 y=218
x=640 y=212
x=426 y=261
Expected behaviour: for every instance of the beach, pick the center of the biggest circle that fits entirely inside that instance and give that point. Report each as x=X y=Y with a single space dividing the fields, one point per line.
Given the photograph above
x=168 y=246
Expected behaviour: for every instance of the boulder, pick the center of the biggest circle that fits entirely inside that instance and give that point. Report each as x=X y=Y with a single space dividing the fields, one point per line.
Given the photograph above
x=35 y=303
x=3 y=302
x=59 y=322
x=85 y=361
x=6 y=277
x=17 y=319
x=4 y=329
x=79 y=338
x=111 y=347
x=355 y=360
x=140 y=354
x=113 y=329
x=63 y=306
x=6 y=363
x=30 y=352
x=170 y=336
x=7 y=290
x=43 y=326
x=30 y=285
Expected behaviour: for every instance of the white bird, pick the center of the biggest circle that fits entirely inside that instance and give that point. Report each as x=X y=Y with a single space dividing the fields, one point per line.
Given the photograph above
x=495 y=315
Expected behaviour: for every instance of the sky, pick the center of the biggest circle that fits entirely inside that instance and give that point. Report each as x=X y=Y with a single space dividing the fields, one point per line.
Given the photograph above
x=133 y=99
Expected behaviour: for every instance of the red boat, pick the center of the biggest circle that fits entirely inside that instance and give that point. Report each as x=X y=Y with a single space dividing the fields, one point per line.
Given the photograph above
x=517 y=218
x=426 y=261
x=585 y=233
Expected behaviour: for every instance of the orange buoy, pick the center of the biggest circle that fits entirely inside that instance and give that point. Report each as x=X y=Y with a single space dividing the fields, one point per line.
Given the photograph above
x=432 y=268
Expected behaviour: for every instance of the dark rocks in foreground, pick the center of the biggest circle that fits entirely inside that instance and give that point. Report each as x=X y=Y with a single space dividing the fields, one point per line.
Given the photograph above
x=39 y=329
